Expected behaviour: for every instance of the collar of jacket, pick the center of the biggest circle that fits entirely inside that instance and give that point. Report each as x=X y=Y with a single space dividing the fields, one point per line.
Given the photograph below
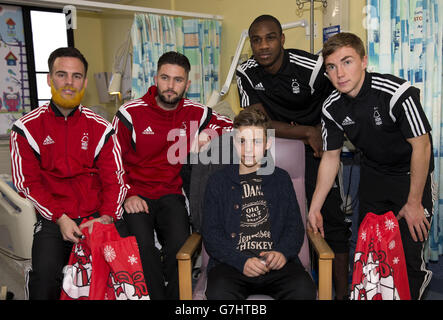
x=364 y=90
x=232 y=172
x=149 y=98
x=59 y=114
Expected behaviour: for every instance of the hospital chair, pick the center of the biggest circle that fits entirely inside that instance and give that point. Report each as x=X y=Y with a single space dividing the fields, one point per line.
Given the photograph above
x=289 y=155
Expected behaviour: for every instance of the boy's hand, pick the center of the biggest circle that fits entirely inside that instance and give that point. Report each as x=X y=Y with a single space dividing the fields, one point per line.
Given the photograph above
x=274 y=260
x=255 y=267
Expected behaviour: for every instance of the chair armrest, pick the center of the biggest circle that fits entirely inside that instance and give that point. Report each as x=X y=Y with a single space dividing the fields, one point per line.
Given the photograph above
x=3 y=292
x=190 y=247
x=184 y=257
x=325 y=258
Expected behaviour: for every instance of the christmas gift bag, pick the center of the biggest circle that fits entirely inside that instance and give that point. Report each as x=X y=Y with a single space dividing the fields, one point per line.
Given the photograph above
x=128 y=281
x=101 y=271
x=379 y=262
x=87 y=273
x=104 y=266
x=77 y=273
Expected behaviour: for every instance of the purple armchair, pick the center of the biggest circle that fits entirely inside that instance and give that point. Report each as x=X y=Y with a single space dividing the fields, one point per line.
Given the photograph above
x=289 y=155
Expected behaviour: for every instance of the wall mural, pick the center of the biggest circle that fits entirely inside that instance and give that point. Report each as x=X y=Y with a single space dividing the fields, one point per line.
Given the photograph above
x=14 y=86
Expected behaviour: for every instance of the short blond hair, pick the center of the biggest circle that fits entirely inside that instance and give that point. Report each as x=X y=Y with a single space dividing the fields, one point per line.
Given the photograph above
x=343 y=39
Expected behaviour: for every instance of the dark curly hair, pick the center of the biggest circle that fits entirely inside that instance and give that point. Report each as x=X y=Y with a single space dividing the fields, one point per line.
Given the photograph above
x=173 y=57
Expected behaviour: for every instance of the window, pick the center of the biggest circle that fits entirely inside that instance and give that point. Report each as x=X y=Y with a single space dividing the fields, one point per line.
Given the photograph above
x=48 y=34
x=45 y=31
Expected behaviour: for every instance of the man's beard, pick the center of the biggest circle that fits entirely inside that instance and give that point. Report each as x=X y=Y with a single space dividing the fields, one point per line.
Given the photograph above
x=63 y=102
x=171 y=101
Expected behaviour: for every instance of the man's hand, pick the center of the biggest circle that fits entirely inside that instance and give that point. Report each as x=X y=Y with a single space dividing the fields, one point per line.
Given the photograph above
x=327 y=171
x=308 y=134
x=314 y=139
x=201 y=143
x=315 y=222
x=274 y=260
x=255 y=267
x=105 y=219
x=413 y=210
x=417 y=222
x=69 y=229
x=135 y=204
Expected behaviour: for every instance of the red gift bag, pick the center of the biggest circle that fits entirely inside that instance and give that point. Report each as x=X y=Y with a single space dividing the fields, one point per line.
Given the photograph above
x=100 y=276
x=128 y=281
x=109 y=255
x=77 y=273
x=379 y=262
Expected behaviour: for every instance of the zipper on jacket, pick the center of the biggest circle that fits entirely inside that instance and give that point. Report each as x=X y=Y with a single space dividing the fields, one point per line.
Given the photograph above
x=76 y=191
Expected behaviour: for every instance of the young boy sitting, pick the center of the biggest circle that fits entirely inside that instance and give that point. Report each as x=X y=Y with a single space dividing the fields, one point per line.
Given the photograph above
x=252 y=228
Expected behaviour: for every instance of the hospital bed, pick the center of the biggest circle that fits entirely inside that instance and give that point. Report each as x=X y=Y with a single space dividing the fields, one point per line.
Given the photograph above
x=17 y=219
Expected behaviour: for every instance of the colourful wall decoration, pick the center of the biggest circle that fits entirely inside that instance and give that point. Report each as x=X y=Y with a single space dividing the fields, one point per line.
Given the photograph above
x=14 y=85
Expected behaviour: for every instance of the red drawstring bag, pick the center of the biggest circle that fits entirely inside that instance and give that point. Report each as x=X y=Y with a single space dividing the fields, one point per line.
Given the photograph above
x=108 y=256
x=127 y=279
x=379 y=261
x=77 y=273
x=101 y=233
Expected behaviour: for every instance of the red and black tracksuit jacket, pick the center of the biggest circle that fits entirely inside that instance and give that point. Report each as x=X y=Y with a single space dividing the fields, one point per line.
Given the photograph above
x=155 y=142
x=67 y=165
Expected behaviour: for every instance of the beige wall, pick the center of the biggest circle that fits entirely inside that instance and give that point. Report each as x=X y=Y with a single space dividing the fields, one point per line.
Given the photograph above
x=88 y=38
x=238 y=15
x=356 y=18
x=99 y=35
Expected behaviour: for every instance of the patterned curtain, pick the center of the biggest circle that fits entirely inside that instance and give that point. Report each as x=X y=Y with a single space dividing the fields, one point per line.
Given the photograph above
x=198 y=39
x=405 y=39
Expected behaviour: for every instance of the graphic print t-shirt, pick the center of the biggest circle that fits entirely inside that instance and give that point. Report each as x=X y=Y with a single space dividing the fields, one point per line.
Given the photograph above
x=255 y=228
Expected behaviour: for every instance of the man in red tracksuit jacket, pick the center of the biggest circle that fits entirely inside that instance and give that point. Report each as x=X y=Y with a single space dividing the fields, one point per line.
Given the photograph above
x=156 y=133
x=66 y=160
